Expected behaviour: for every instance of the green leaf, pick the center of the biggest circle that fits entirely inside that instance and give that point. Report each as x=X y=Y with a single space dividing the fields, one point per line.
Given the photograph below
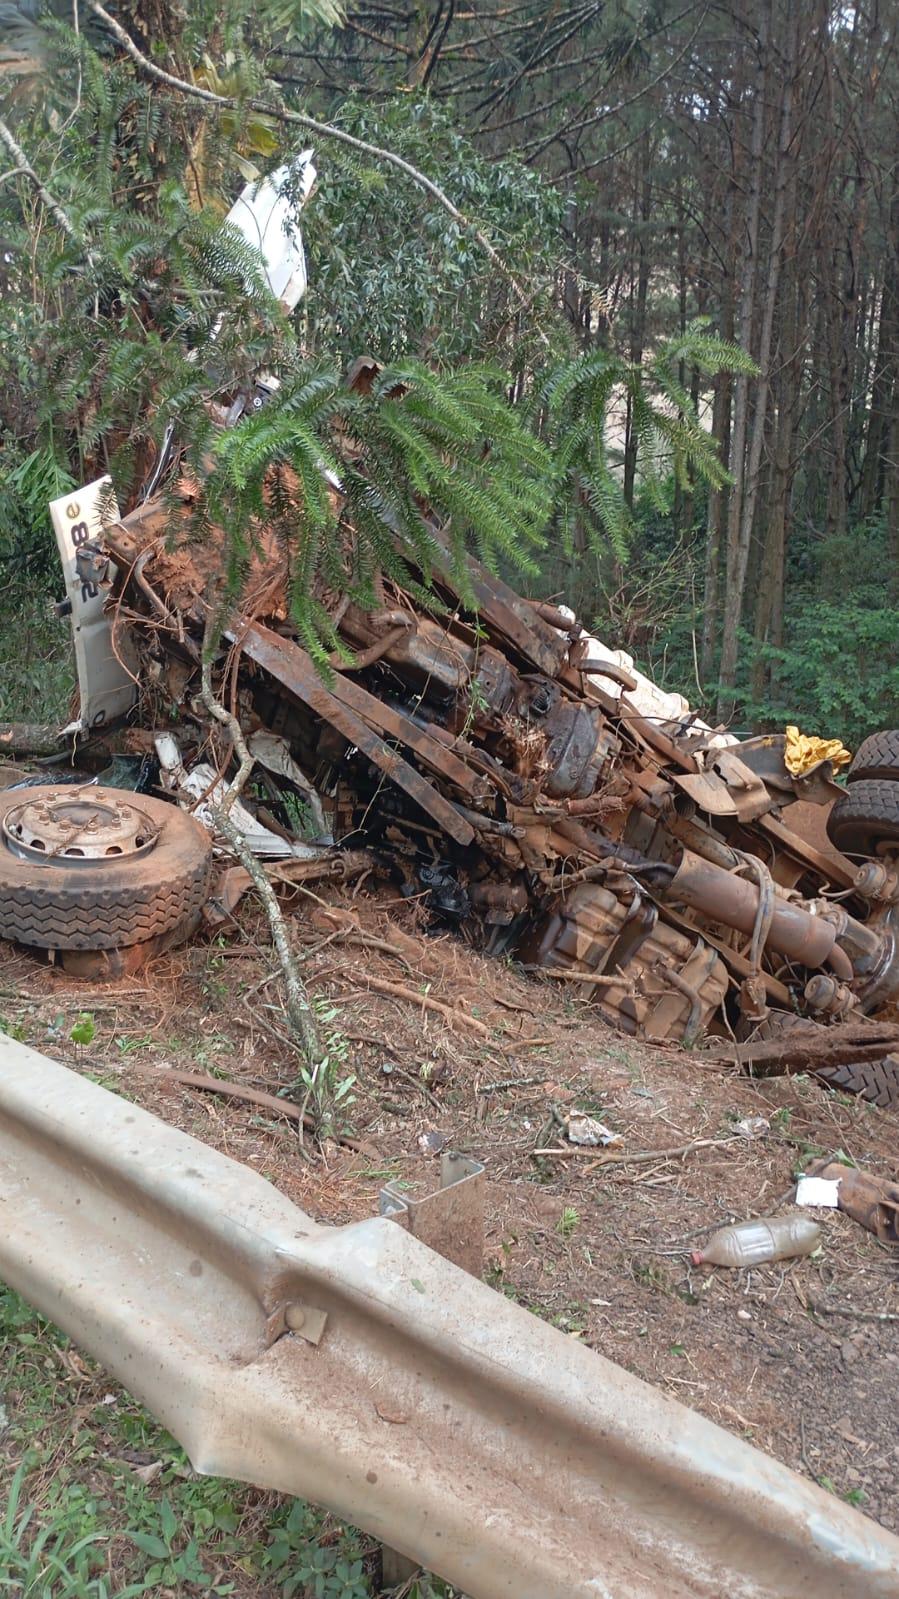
x=149 y=1544
x=84 y=1029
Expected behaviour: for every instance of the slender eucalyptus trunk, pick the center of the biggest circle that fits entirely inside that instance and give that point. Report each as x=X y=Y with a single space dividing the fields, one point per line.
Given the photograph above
x=736 y=555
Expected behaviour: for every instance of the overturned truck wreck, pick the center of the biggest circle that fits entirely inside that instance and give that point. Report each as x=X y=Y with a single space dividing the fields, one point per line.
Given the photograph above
x=520 y=778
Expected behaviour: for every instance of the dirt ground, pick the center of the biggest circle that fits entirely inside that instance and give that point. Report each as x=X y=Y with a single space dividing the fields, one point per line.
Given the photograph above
x=790 y=1357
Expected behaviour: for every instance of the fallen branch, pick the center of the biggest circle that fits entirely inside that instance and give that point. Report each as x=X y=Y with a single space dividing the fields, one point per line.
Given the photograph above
x=354 y=935
x=31 y=738
x=325 y=130
x=510 y=1082
x=847 y=1310
x=232 y=1090
x=589 y=979
x=814 y=1047
x=641 y=1157
x=380 y=985
x=300 y=1013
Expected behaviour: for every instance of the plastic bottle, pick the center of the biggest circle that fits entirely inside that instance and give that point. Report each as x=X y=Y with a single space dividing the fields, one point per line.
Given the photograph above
x=750 y=1243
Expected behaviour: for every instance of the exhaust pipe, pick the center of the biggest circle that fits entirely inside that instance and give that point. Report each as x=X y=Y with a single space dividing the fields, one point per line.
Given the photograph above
x=733 y=900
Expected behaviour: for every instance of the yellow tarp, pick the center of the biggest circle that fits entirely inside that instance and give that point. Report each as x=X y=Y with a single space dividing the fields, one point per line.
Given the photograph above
x=802 y=751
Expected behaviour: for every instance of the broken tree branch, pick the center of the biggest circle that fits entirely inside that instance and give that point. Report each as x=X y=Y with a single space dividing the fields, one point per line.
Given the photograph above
x=30 y=738
x=325 y=130
x=453 y=1016
x=300 y=1013
x=809 y=1049
x=642 y=1157
x=24 y=166
x=849 y=1310
x=243 y=1091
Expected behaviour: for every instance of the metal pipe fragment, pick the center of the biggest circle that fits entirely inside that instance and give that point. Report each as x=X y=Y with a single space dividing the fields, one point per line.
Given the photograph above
x=734 y=901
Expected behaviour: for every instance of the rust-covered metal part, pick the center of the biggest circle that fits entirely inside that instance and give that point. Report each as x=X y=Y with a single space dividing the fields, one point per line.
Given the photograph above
x=871 y=1201
x=533 y=789
x=356 y=1367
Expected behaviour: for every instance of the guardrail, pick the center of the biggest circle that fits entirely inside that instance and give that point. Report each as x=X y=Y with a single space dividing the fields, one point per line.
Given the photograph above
x=355 y=1367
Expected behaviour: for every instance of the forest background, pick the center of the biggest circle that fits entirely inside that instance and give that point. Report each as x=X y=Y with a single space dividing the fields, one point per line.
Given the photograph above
x=574 y=214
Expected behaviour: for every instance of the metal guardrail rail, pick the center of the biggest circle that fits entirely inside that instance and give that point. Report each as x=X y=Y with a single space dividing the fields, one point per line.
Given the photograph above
x=355 y=1367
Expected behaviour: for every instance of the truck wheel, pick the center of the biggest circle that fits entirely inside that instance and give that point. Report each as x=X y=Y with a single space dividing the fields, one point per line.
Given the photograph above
x=877 y=1081
x=98 y=869
x=877 y=757
x=865 y=820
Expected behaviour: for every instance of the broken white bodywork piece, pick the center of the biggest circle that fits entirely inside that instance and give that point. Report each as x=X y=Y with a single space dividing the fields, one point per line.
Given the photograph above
x=201 y=789
x=106 y=681
x=274 y=754
x=647 y=699
x=586 y=1130
x=266 y=218
x=821 y=1192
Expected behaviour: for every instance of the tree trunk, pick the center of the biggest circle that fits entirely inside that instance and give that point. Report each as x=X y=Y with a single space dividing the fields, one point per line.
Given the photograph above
x=638 y=317
x=884 y=386
x=769 y=605
x=736 y=554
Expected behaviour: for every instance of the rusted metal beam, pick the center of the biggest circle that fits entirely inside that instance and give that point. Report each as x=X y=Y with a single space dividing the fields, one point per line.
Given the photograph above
x=295 y=670
x=355 y=1367
x=382 y=718
x=506 y=611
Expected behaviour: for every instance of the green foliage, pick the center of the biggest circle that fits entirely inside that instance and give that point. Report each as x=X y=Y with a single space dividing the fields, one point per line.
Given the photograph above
x=449 y=442
x=83 y=1030
x=36 y=665
x=392 y=274
x=683 y=446
x=305 y=1568
x=837 y=670
x=290 y=19
x=837 y=673
x=587 y=503
x=326 y=1087
x=37 y=1561
x=568 y=1222
x=29 y=482
x=574 y=401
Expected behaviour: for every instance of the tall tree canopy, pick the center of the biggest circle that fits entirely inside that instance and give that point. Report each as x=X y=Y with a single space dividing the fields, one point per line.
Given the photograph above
x=599 y=200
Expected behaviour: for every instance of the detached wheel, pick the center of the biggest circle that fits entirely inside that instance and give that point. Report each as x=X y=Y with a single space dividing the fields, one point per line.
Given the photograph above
x=99 y=869
x=877 y=757
x=865 y=820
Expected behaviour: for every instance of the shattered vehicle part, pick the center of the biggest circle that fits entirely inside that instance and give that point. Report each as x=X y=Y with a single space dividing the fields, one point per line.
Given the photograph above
x=355 y=1367
x=201 y=790
x=107 y=677
x=340 y=866
x=542 y=796
x=266 y=218
x=99 y=879
x=871 y=1201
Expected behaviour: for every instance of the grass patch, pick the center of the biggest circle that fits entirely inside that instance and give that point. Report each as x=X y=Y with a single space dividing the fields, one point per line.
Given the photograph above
x=97 y=1501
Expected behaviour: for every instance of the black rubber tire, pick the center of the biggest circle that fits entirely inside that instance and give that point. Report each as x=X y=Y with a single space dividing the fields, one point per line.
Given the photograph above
x=865 y=817
x=877 y=757
x=876 y=1081
x=115 y=904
